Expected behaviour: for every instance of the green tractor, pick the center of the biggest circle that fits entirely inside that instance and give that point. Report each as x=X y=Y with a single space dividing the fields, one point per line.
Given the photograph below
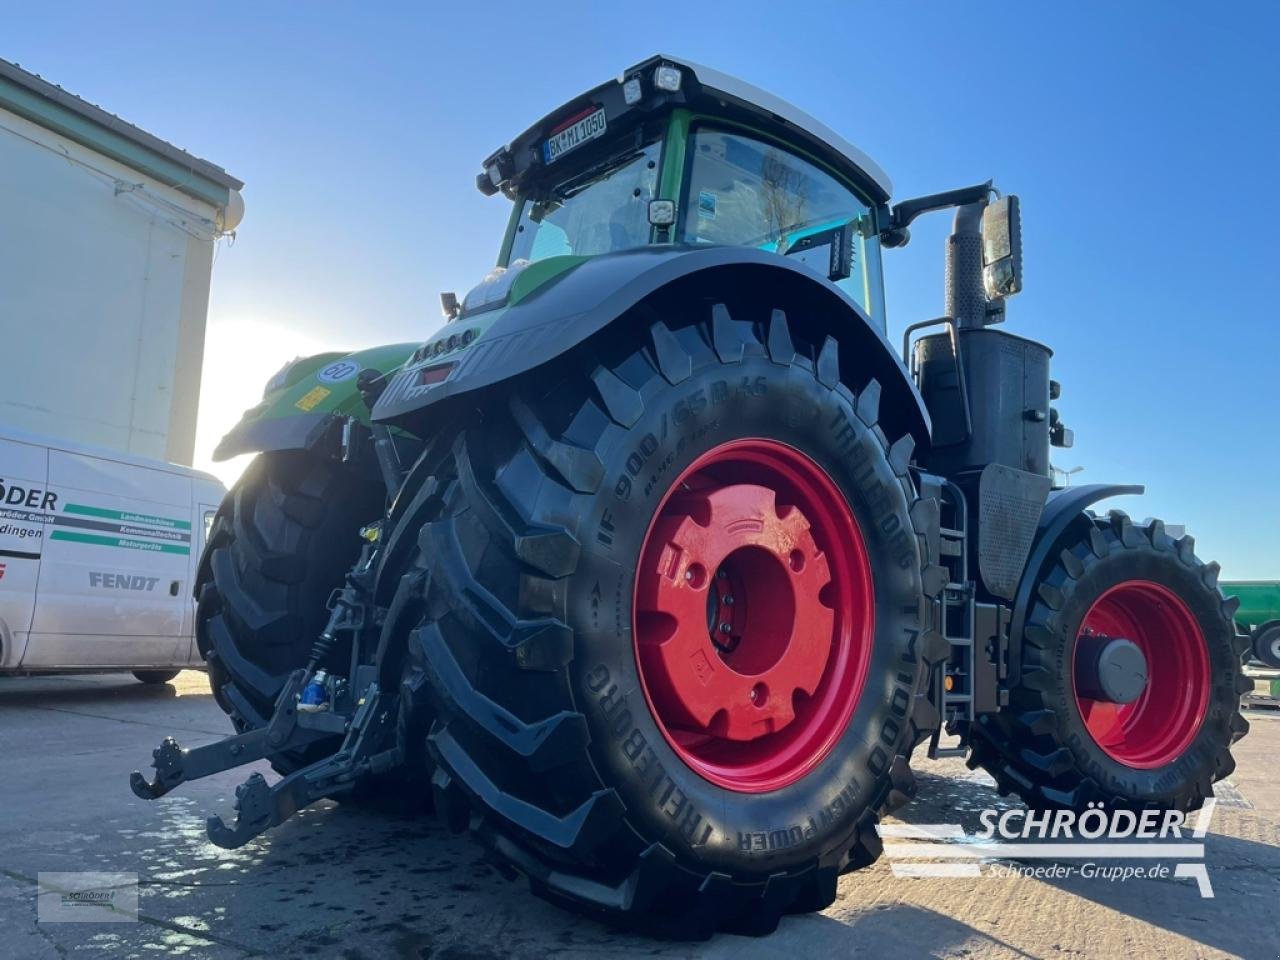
x=656 y=563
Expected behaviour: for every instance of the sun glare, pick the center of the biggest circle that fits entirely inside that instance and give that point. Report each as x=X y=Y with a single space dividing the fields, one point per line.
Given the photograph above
x=239 y=358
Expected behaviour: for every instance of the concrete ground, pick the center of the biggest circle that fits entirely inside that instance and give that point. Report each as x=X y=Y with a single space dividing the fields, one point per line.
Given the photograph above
x=338 y=882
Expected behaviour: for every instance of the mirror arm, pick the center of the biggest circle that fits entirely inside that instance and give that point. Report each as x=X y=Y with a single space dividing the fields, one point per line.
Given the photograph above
x=896 y=234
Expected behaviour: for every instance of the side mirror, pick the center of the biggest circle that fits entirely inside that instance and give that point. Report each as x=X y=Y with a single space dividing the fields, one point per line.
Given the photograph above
x=1002 y=248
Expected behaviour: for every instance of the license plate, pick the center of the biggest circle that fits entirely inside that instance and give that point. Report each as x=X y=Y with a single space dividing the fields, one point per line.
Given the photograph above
x=573 y=136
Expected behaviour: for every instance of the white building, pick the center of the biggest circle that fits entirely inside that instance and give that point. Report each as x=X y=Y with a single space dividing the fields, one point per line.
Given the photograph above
x=107 y=236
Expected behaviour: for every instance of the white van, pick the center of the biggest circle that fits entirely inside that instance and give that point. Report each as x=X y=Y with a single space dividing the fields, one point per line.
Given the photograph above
x=98 y=554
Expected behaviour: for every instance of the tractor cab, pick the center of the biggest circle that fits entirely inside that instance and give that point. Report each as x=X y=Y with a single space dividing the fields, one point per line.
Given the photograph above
x=675 y=153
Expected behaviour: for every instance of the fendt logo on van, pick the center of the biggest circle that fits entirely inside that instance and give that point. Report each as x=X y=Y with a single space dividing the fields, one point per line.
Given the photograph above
x=122 y=581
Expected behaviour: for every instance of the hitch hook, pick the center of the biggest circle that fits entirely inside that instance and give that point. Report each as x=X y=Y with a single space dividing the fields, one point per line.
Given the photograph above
x=167 y=760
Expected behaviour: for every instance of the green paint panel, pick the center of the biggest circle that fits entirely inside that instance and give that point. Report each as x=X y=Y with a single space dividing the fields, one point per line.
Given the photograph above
x=122 y=542
x=127 y=517
x=1259 y=600
x=308 y=390
x=673 y=155
x=540 y=273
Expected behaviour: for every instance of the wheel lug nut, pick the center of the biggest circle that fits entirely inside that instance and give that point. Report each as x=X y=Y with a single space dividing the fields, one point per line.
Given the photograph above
x=728 y=601
x=725 y=628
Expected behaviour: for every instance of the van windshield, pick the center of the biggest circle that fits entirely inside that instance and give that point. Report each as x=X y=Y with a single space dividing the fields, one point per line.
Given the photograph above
x=601 y=209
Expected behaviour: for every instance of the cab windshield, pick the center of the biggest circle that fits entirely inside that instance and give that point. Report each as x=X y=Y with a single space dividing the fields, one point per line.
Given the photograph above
x=600 y=209
x=745 y=189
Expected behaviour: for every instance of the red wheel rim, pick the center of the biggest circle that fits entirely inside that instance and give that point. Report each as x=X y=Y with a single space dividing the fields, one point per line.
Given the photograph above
x=1160 y=724
x=753 y=615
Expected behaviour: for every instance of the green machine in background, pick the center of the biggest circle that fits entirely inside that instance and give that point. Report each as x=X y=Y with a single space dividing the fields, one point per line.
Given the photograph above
x=1259 y=615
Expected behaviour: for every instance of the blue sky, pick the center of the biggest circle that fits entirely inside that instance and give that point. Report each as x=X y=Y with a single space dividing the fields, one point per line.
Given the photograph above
x=1141 y=138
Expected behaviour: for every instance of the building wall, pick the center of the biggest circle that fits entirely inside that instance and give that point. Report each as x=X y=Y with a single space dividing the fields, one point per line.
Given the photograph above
x=104 y=287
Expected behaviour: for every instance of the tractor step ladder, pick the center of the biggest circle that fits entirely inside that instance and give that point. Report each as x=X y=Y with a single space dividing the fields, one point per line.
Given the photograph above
x=956 y=619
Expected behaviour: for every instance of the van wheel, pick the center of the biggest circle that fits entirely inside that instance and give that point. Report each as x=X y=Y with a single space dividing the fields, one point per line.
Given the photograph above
x=152 y=677
x=282 y=540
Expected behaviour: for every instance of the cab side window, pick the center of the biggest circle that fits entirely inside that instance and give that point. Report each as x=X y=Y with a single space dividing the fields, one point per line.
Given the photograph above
x=749 y=192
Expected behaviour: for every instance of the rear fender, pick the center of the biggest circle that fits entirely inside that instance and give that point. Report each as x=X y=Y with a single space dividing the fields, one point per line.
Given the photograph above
x=316 y=392
x=1060 y=511
x=578 y=302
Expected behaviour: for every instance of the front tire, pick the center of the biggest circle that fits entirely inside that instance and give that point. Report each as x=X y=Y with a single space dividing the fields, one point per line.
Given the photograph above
x=591 y=766
x=1064 y=742
x=282 y=541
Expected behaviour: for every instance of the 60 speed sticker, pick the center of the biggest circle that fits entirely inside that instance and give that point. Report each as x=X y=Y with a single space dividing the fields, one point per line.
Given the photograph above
x=338 y=371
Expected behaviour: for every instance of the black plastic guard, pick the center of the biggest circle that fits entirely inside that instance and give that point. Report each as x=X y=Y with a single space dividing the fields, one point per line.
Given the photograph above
x=1009 y=506
x=298 y=432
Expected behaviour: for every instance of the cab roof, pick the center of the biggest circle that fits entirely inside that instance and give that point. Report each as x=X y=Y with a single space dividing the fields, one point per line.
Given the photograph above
x=701 y=87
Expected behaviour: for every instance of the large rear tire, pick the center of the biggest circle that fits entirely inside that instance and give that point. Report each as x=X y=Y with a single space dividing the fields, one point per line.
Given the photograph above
x=281 y=542
x=1063 y=741
x=580 y=754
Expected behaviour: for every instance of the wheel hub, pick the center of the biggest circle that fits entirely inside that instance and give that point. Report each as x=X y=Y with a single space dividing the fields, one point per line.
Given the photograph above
x=754 y=615
x=1112 y=669
x=768 y=638
x=1141 y=674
